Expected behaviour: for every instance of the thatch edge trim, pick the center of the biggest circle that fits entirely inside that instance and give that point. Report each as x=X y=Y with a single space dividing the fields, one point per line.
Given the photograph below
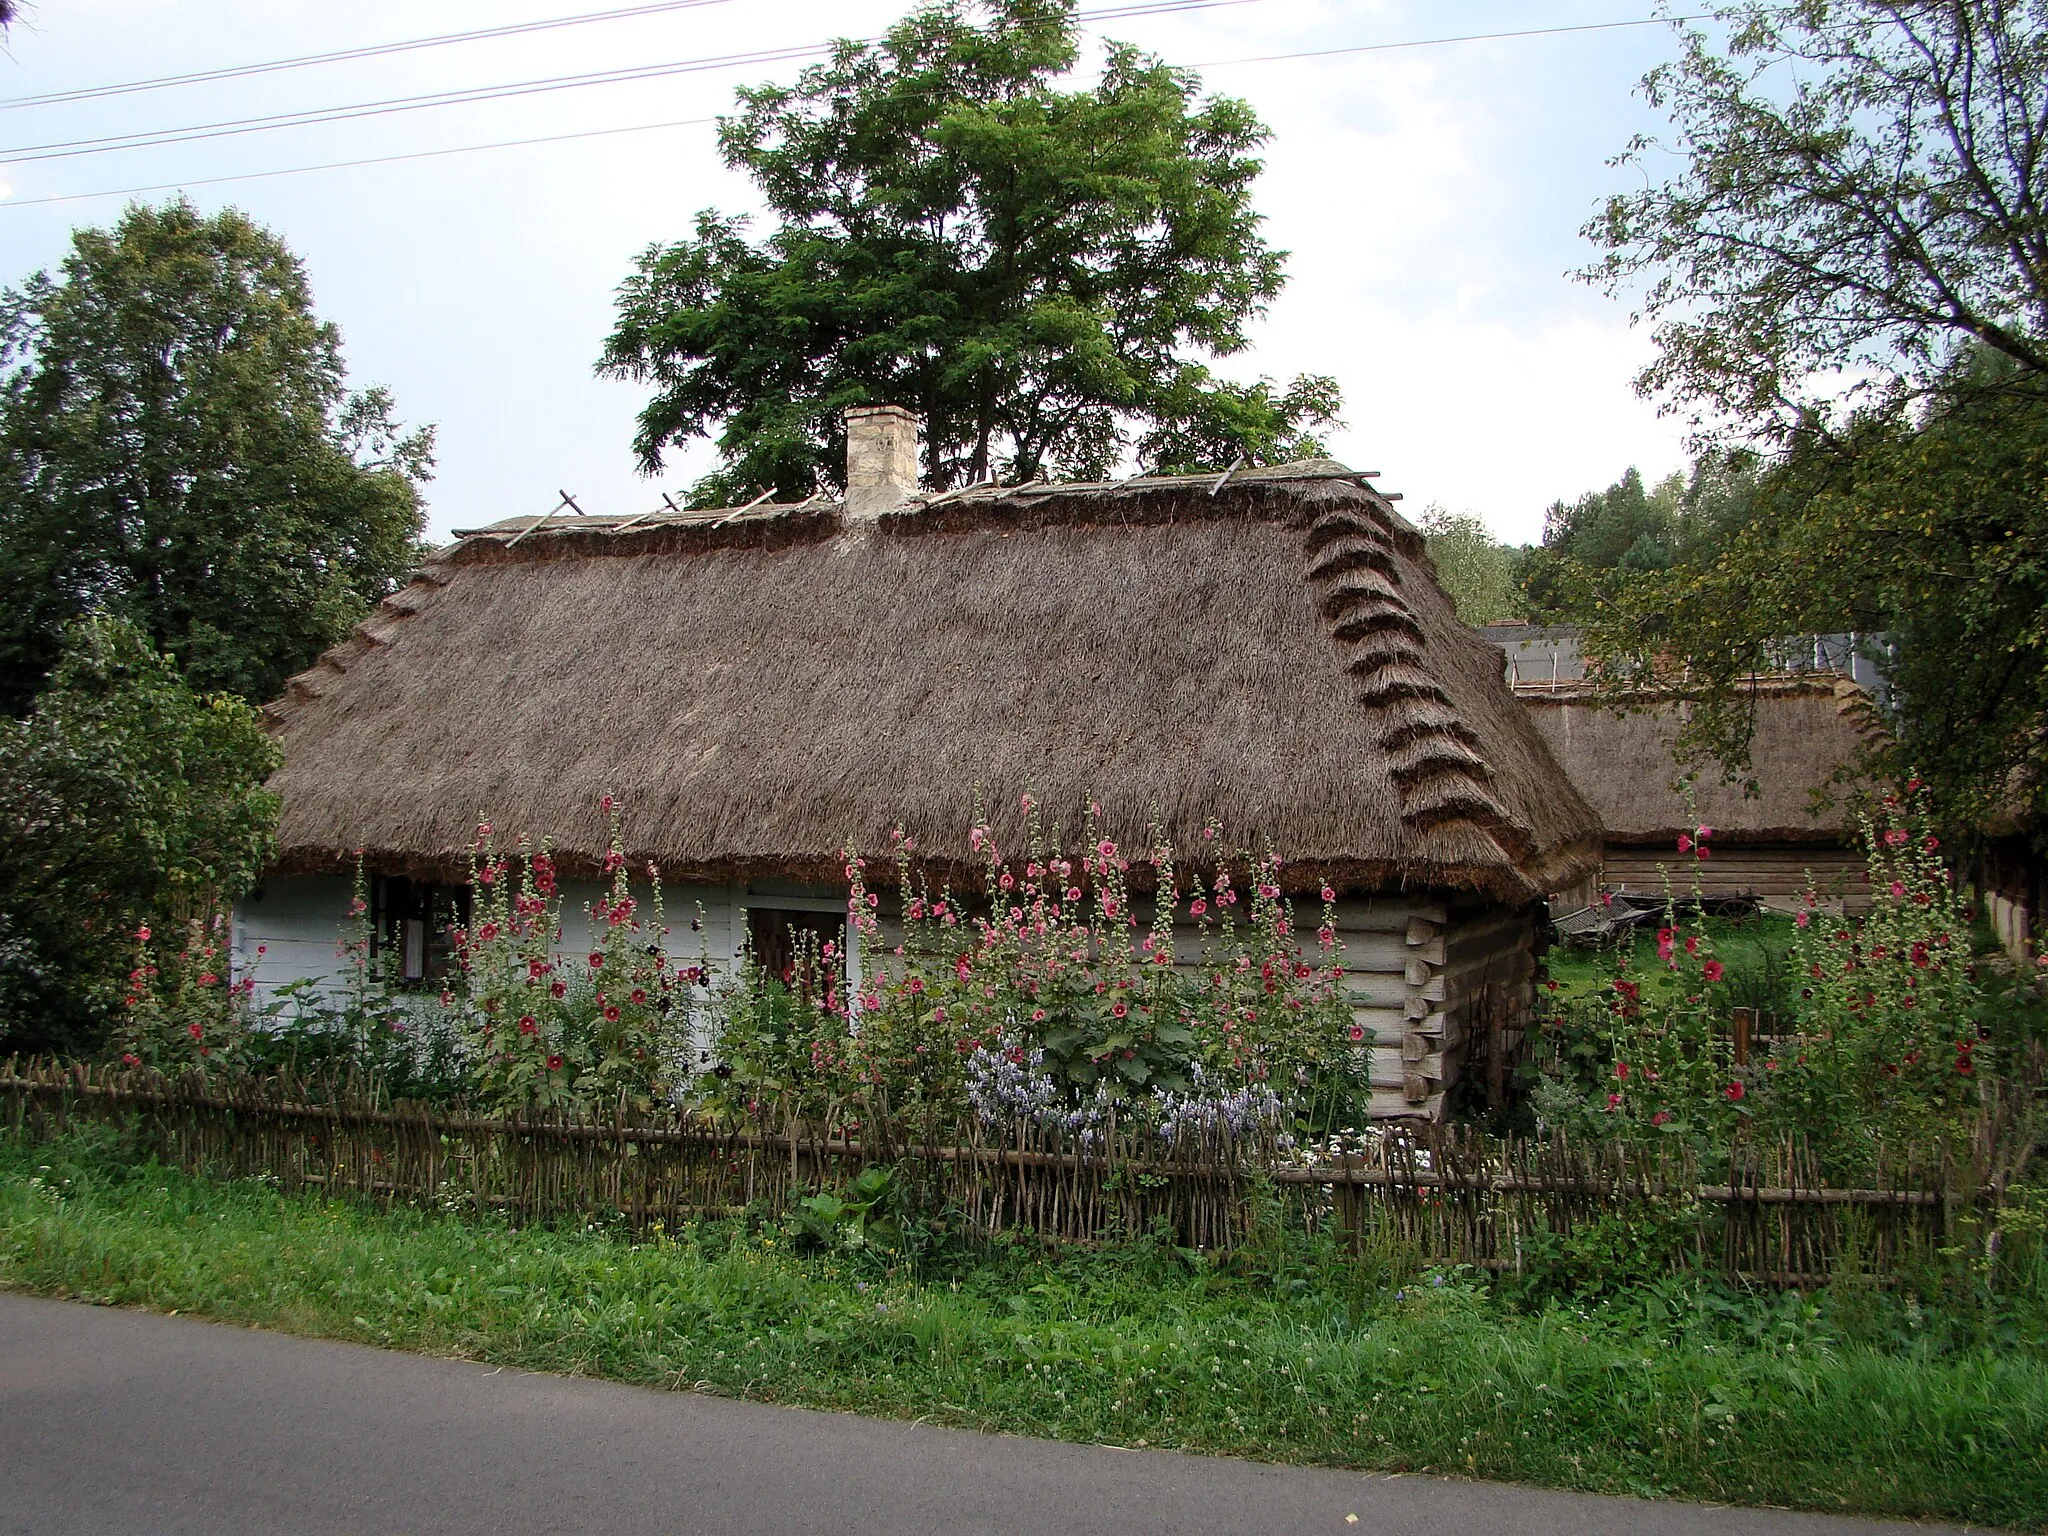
x=1441 y=777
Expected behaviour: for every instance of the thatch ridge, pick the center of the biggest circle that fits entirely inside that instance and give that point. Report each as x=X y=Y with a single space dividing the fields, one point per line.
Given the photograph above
x=760 y=686
x=1619 y=750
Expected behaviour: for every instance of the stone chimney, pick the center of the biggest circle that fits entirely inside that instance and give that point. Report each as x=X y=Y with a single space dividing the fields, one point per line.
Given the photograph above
x=884 y=444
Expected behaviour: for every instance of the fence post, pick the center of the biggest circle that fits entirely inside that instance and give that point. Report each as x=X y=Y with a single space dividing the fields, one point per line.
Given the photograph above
x=1745 y=1023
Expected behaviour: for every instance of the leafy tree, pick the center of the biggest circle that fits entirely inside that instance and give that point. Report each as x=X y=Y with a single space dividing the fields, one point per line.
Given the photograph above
x=1039 y=272
x=1628 y=528
x=130 y=800
x=1851 y=265
x=1861 y=193
x=177 y=447
x=1928 y=528
x=1477 y=571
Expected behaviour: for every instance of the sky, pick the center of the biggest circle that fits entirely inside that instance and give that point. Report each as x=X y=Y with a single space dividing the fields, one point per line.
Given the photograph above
x=1431 y=198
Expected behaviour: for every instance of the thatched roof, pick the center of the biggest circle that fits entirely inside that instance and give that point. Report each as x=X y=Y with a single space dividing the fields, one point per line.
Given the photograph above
x=1626 y=767
x=758 y=688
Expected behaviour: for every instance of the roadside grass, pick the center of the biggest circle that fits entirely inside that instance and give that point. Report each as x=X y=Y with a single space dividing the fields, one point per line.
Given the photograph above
x=1856 y=1401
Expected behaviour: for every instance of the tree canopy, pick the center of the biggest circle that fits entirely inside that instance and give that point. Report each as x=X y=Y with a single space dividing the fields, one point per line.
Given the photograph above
x=1861 y=193
x=1474 y=568
x=1852 y=266
x=130 y=799
x=177 y=447
x=1042 y=273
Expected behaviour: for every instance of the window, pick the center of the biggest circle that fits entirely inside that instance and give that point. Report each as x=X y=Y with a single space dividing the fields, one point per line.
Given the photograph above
x=409 y=922
x=777 y=936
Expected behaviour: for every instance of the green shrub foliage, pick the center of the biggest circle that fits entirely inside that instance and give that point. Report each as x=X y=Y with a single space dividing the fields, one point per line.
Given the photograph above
x=135 y=809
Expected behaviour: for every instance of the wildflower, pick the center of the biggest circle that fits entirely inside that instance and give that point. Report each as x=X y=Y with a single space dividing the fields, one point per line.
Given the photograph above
x=208 y=979
x=1197 y=907
x=130 y=1059
x=1799 y=920
x=195 y=1030
x=639 y=994
x=1356 y=1032
x=1109 y=907
x=1328 y=894
x=488 y=932
x=1712 y=970
x=1660 y=1117
x=1119 y=1009
x=1038 y=1015
x=559 y=989
x=916 y=985
x=1326 y=936
x=528 y=1025
x=142 y=933
x=555 y=1063
x=1621 y=1071
x=1735 y=1092
x=1684 y=843
x=611 y=1013
x=596 y=959
x=1895 y=837
x=1613 y=1102
x=1898 y=889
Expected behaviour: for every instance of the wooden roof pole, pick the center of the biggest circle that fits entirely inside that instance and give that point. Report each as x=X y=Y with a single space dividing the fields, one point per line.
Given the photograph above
x=668 y=503
x=566 y=501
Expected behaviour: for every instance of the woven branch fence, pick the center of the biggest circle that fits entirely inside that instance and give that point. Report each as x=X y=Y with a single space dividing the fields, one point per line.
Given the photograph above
x=1447 y=1195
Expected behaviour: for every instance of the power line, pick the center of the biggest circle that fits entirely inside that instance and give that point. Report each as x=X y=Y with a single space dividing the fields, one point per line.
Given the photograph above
x=691 y=122
x=1432 y=42
x=154 y=138
x=75 y=148
x=340 y=55
x=343 y=165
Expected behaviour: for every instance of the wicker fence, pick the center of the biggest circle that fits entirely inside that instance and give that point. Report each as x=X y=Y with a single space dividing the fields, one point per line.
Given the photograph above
x=1448 y=1195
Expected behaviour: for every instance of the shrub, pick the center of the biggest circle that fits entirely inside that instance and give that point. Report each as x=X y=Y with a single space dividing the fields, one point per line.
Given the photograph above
x=133 y=804
x=1892 y=1049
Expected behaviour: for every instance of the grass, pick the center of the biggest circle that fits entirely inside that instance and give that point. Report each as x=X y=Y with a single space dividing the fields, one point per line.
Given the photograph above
x=1752 y=948
x=1678 y=1389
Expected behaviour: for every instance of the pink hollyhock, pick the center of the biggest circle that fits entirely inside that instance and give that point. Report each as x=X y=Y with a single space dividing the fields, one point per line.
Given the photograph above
x=1712 y=970
x=1735 y=1092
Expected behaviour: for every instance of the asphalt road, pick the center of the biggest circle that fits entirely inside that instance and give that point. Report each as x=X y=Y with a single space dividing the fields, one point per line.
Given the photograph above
x=156 y=1426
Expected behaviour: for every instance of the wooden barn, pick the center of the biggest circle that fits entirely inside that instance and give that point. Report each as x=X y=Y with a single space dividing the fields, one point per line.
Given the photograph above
x=760 y=688
x=1772 y=845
